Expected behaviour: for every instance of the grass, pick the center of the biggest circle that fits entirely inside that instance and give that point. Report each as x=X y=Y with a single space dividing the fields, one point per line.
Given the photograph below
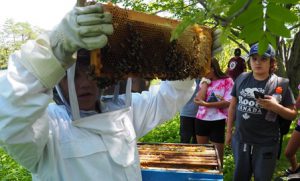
x=167 y=133
x=10 y=170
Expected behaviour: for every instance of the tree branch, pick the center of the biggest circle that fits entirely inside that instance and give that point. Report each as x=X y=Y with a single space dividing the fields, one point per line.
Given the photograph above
x=215 y=17
x=294 y=27
x=238 y=43
x=225 y=21
x=240 y=11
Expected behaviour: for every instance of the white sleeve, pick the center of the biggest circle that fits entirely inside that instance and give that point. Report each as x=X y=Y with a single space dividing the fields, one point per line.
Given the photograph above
x=25 y=93
x=151 y=108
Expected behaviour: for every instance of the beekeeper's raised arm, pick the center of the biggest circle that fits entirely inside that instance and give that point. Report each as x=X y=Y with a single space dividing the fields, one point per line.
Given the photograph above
x=34 y=70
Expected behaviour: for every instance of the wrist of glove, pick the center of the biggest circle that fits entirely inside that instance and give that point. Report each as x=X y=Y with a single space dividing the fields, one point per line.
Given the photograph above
x=83 y=27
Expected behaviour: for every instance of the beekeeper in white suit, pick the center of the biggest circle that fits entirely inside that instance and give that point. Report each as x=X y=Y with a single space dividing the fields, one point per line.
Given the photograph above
x=82 y=138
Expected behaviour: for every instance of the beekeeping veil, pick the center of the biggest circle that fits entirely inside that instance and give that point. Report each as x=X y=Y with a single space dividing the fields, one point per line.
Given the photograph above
x=109 y=100
x=113 y=124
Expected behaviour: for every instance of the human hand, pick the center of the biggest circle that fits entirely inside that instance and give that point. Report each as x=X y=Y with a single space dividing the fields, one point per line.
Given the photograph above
x=83 y=27
x=199 y=102
x=228 y=137
x=196 y=100
x=217 y=46
x=268 y=102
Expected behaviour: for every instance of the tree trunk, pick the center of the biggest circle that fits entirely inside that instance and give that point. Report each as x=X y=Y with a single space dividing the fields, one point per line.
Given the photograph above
x=281 y=71
x=293 y=66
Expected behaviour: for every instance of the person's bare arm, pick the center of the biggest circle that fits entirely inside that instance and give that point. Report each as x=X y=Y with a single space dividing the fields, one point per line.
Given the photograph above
x=201 y=95
x=230 y=120
x=202 y=92
x=219 y=104
x=271 y=104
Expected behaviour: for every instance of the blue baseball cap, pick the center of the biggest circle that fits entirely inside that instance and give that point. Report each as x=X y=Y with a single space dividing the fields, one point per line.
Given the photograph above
x=270 y=52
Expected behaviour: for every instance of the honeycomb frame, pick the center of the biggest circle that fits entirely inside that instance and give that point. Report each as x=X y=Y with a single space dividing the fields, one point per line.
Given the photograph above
x=140 y=47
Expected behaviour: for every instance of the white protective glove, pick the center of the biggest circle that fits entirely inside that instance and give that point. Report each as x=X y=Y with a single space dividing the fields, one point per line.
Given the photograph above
x=217 y=45
x=83 y=27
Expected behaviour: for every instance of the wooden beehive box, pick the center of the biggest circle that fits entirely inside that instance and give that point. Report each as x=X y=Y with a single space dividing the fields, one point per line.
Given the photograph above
x=140 y=47
x=201 y=160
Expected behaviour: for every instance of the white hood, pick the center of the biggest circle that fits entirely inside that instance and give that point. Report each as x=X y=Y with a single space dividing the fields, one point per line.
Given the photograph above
x=110 y=103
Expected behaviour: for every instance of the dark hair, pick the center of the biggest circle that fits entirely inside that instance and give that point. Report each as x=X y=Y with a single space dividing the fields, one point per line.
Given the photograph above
x=217 y=70
x=273 y=65
x=237 y=52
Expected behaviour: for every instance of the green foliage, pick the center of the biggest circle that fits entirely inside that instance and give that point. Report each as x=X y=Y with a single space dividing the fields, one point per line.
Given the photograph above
x=271 y=38
x=10 y=170
x=247 y=33
x=181 y=27
x=12 y=36
x=228 y=167
x=285 y=1
x=165 y=133
x=253 y=13
x=284 y=16
x=257 y=26
x=236 y=7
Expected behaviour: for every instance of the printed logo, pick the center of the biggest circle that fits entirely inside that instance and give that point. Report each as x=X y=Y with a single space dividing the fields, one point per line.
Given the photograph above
x=249 y=92
x=247 y=102
x=232 y=65
x=246 y=116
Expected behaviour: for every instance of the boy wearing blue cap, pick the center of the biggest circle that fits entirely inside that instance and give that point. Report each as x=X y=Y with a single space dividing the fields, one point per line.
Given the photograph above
x=255 y=141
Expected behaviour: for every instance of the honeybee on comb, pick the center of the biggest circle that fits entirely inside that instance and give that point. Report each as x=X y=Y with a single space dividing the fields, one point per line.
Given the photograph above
x=141 y=47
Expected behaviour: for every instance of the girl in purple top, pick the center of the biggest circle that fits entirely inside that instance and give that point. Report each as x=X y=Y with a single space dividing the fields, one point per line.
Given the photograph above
x=293 y=145
x=213 y=99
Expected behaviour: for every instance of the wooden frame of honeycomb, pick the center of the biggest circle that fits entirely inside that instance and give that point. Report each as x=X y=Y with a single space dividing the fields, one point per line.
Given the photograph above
x=140 y=47
x=179 y=157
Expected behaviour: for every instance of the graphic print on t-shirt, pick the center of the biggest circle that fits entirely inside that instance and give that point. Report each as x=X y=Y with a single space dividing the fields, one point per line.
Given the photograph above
x=232 y=65
x=212 y=98
x=247 y=103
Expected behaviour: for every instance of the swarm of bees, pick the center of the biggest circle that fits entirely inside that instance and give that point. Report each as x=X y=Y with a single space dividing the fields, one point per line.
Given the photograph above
x=141 y=47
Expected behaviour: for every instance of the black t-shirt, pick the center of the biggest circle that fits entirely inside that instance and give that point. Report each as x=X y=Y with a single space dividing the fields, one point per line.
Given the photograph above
x=251 y=126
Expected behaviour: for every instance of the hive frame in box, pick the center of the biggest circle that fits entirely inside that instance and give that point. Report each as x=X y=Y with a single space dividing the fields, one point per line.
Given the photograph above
x=141 y=47
x=174 y=161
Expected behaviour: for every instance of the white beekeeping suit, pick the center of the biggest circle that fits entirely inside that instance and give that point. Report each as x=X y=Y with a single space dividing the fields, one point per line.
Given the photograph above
x=56 y=145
